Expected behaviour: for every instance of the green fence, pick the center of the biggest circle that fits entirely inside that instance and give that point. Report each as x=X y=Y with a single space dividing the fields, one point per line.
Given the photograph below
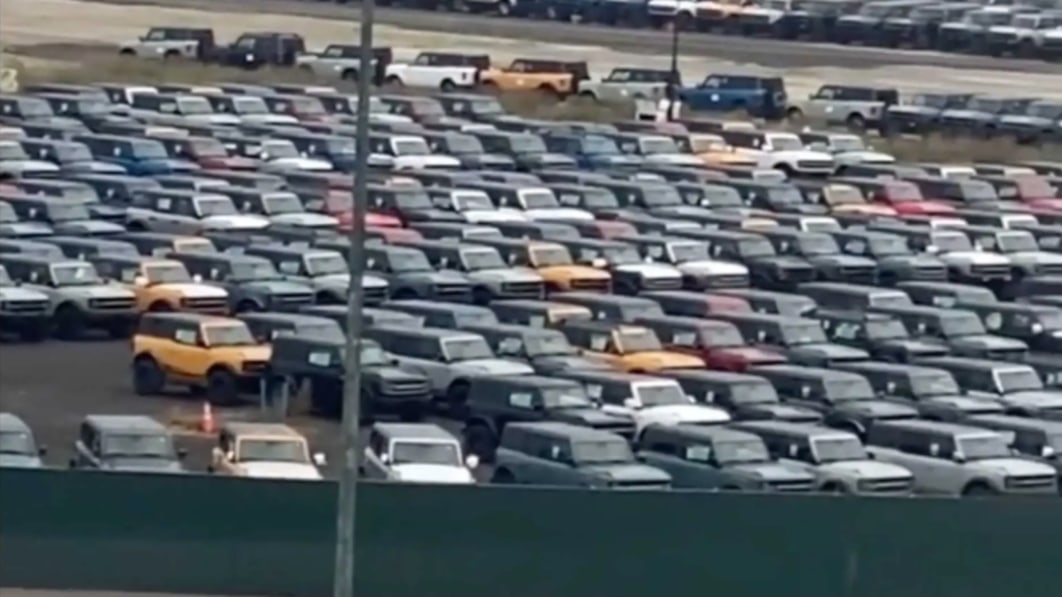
x=232 y=536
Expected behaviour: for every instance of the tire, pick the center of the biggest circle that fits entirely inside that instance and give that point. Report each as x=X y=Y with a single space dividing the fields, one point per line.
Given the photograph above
x=503 y=477
x=447 y=86
x=549 y=93
x=405 y=294
x=795 y=115
x=121 y=329
x=248 y=307
x=127 y=53
x=504 y=8
x=221 y=387
x=856 y=123
x=171 y=55
x=834 y=489
x=490 y=87
x=589 y=95
x=393 y=81
x=978 y=489
x=160 y=307
x=35 y=332
x=69 y=323
x=148 y=378
x=457 y=397
x=350 y=75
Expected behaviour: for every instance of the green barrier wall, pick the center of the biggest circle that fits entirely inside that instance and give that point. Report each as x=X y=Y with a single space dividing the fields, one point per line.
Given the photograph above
x=232 y=536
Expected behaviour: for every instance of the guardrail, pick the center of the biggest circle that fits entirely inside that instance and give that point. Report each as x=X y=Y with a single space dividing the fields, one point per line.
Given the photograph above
x=111 y=531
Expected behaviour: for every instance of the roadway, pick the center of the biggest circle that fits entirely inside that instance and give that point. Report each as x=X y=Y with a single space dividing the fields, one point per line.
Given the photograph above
x=764 y=52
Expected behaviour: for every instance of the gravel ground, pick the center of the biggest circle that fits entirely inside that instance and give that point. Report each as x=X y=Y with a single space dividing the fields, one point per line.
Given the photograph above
x=805 y=66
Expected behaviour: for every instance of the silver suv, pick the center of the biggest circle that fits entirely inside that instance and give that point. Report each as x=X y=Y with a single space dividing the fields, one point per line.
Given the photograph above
x=79 y=297
x=171 y=42
x=23 y=311
x=837 y=459
x=957 y=460
x=561 y=454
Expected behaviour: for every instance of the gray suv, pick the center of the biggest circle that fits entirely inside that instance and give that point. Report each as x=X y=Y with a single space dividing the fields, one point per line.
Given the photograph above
x=79 y=298
x=484 y=267
x=704 y=457
x=560 y=454
x=126 y=443
x=837 y=459
x=448 y=358
x=23 y=311
x=957 y=460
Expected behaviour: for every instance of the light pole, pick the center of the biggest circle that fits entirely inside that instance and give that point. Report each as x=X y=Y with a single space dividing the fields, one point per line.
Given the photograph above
x=343 y=581
x=673 y=77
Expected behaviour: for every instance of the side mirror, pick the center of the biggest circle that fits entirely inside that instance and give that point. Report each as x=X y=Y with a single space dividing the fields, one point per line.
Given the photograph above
x=472 y=461
x=73 y=463
x=385 y=458
x=182 y=453
x=958 y=457
x=140 y=281
x=599 y=263
x=42 y=450
x=872 y=456
x=319 y=459
x=632 y=403
x=197 y=279
x=230 y=456
x=933 y=250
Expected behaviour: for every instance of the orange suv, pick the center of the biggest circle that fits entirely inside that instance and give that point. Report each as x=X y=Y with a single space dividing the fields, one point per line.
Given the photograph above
x=553 y=77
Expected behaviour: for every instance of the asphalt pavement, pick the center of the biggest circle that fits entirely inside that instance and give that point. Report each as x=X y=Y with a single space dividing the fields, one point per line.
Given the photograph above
x=768 y=53
x=54 y=385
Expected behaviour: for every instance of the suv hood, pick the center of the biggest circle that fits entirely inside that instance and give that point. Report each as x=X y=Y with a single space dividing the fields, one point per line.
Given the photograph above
x=842 y=261
x=547 y=365
x=1040 y=399
x=559 y=213
x=237 y=222
x=286 y=164
x=16 y=294
x=94 y=166
x=592 y=417
x=486 y=216
x=688 y=414
x=145 y=465
x=780 y=411
x=20 y=461
x=713 y=267
x=866 y=469
x=391 y=374
x=493 y=367
x=876 y=409
x=663 y=359
x=432 y=473
x=674 y=159
x=305 y=220
x=1011 y=466
x=427 y=161
x=988 y=342
x=652 y=271
x=268 y=119
x=191 y=290
x=977 y=257
x=88 y=227
x=279 y=470
x=516 y=274
x=863 y=157
x=825 y=352
x=632 y=471
x=99 y=291
x=771 y=471
x=910 y=347
x=979 y=406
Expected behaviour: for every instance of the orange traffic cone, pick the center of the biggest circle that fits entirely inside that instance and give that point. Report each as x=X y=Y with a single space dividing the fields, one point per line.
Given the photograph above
x=206 y=422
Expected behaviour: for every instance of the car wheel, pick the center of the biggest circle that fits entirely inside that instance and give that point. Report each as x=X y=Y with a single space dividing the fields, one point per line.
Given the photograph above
x=34 y=332
x=160 y=307
x=393 y=81
x=69 y=324
x=505 y=8
x=481 y=296
x=978 y=489
x=120 y=329
x=127 y=53
x=350 y=75
x=221 y=386
x=834 y=489
x=247 y=307
x=447 y=86
x=795 y=115
x=856 y=123
x=148 y=378
x=502 y=477
x=457 y=397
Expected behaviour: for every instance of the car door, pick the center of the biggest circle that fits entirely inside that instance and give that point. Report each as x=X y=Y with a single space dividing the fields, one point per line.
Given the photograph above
x=373 y=466
x=556 y=466
x=86 y=448
x=187 y=356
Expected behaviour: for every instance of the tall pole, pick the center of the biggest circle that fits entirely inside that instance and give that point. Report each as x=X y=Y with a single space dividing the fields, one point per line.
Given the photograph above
x=673 y=78
x=343 y=582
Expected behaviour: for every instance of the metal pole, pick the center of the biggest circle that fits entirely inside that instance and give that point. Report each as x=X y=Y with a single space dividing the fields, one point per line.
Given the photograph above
x=673 y=82
x=343 y=582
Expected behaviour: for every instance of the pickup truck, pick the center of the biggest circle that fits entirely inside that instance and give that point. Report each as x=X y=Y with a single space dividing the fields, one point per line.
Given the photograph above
x=437 y=71
x=342 y=61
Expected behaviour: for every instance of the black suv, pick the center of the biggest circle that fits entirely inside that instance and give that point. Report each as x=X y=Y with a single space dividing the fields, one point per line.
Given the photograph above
x=494 y=402
x=317 y=364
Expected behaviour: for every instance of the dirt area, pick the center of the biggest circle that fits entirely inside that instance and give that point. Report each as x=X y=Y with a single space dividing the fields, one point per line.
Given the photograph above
x=31 y=22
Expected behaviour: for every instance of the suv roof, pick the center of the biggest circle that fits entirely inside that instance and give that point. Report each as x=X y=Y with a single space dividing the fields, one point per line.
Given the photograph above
x=935 y=427
x=276 y=429
x=414 y=431
x=185 y=318
x=435 y=333
x=792 y=428
x=563 y=430
x=534 y=381
x=125 y=423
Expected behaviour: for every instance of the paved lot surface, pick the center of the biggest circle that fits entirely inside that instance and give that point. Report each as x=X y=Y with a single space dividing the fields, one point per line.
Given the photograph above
x=805 y=66
x=54 y=385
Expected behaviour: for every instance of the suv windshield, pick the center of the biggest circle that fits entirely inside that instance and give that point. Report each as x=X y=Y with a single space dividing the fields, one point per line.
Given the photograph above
x=936 y=383
x=253 y=271
x=785 y=143
x=598 y=145
x=1016 y=242
x=148 y=150
x=1017 y=379
x=837 y=449
x=951 y=242
x=753 y=393
x=373 y=355
x=660 y=393
x=817 y=244
x=167 y=273
x=568 y=397
x=981 y=447
x=885 y=329
x=66 y=212
x=961 y=323
x=194 y=106
x=740 y=452
x=755 y=248
x=275 y=149
x=408 y=261
x=271 y=450
x=423 y=452
x=547 y=344
x=657 y=145
x=847 y=388
x=622 y=255
x=794 y=334
x=73 y=152
x=847 y=143
x=410 y=146
x=882 y=246
x=686 y=252
x=282 y=203
x=12 y=151
x=538 y=199
x=214 y=206
x=601 y=452
x=550 y=256
x=137 y=445
x=527 y=144
x=638 y=340
x=468 y=200
x=249 y=104
x=74 y=274
x=326 y=264
x=16 y=442
x=481 y=259
x=465 y=349
x=227 y=334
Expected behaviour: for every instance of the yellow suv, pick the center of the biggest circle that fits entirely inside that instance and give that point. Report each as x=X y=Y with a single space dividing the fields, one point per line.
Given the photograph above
x=553 y=262
x=215 y=354
x=630 y=348
x=162 y=284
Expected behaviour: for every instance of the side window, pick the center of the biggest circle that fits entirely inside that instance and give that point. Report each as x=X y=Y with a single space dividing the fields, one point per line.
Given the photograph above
x=245 y=43
x=663 y=447
x=186 y=335
x=522 y=400
x=377 y=443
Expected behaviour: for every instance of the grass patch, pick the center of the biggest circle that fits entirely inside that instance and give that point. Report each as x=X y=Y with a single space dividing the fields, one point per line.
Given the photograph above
x=94 y=65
